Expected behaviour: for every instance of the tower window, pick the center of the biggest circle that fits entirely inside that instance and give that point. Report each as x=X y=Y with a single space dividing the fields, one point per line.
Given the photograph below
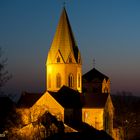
x=70 y=80
x=58 y=59
x=58 y=80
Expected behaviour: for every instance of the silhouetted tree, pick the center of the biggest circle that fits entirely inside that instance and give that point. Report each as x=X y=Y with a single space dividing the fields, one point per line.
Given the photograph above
x=127 y=113
x=51 y=124
x=4 y=74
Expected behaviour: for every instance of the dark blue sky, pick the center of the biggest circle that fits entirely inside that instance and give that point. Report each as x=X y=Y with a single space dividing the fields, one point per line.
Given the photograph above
x=105 y=30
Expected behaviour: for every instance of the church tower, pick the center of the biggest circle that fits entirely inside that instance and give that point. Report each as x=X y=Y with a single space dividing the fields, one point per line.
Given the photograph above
x=64 y=65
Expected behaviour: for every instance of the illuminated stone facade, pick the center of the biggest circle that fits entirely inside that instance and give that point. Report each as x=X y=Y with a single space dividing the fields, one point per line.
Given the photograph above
x=64 y=66
x=99 y=115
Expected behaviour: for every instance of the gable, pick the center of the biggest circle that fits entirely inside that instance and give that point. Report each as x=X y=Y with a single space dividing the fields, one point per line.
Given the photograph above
x=71 y=58
x=58 y=58
x=47 y=103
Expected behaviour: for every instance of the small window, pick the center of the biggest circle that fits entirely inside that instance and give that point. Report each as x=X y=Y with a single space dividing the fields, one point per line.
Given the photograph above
x=58 y=59
x=70 y=80
x=70 y=60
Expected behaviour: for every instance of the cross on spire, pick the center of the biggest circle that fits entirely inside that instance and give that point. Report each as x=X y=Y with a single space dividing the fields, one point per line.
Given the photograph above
x=64 y=3
x=94 y=62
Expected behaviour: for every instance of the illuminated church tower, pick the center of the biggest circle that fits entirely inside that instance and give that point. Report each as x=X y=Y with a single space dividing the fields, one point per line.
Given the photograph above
x=64 y=65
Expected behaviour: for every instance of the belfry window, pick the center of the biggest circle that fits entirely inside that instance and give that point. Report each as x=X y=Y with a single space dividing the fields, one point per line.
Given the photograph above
x=58 y=80
x=70 y=80
x=58 y=59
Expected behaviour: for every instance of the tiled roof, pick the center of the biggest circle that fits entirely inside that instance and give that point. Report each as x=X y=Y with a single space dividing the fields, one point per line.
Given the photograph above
x=28 y=99
x=94 y=75
x=68 y=97
x=63 y=41
x=95 y=100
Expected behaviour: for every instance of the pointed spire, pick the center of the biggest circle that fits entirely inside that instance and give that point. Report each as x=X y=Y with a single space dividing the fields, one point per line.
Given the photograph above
x=64 y=3
x=63 y=40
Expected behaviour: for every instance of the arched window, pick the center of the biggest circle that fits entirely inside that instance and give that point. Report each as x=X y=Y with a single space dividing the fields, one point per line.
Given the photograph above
x=70 y=80
x=105 y=90
x=58 y=80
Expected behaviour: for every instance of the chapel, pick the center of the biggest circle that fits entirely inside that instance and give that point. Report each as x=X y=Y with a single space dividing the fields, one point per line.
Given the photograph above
x=69 y=96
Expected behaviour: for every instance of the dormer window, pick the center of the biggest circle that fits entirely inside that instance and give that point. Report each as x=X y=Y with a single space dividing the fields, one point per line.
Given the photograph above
x=70 y=60
x=58 y=59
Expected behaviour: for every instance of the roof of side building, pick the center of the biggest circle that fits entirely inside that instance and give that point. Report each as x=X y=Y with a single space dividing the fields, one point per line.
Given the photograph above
x=27 y=100
x=95 y=100
x=94 y=75
x=68 y=97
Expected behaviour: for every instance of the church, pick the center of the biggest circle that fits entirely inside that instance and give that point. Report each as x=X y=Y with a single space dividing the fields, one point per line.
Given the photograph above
x=70 y=96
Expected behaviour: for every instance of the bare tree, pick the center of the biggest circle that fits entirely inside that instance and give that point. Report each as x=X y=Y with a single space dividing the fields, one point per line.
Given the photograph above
x=127 y=113
x=4 y=74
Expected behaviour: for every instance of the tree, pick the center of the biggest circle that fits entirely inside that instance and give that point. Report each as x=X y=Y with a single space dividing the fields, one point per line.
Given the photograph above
x=4 y=74
x=127 y=113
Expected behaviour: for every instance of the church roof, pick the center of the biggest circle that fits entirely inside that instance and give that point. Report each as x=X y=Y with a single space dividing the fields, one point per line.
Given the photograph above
x=94 y=75
x=63 y=40
x=68 y=97
x=28 y=99
x=95 y=100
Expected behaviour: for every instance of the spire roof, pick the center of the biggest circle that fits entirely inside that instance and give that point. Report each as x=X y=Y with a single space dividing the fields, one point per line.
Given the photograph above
x=63 y=40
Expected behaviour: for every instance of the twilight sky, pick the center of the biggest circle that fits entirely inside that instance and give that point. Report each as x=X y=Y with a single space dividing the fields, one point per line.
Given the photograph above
x=105 y=30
